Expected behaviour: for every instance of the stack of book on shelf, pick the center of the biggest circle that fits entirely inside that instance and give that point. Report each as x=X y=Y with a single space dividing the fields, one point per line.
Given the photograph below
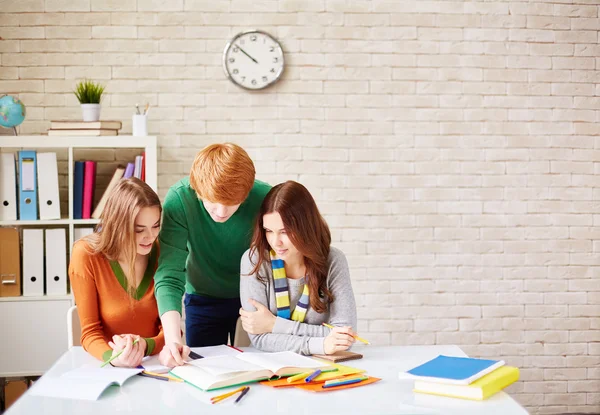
x=462 y=377
x=84 y=128
x=84 y=185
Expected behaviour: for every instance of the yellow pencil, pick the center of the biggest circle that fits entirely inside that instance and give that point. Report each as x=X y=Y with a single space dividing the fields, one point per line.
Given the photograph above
x=162 y=375
x=219 y=398
x=360 y=339
x=299 y=376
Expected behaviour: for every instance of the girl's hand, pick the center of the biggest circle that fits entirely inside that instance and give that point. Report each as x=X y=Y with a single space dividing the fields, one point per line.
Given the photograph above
x=132 y=354
x=259 y=321
x=340 y=338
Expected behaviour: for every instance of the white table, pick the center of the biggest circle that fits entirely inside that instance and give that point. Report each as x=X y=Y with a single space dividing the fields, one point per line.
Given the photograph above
x=141 y=395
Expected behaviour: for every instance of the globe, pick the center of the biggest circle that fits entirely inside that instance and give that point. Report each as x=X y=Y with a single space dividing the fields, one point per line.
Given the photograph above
x=12 y=112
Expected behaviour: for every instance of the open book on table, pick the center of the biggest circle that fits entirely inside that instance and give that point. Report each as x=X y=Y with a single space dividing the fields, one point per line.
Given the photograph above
x=224 y=371
x=86 y=383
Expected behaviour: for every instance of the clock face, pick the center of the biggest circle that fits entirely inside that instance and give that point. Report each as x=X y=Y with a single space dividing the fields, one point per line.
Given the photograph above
x=253 y=60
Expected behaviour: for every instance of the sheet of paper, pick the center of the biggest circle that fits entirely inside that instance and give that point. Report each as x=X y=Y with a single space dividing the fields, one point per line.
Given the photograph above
x=212 y=351
x=276 y=361
x=222 y=365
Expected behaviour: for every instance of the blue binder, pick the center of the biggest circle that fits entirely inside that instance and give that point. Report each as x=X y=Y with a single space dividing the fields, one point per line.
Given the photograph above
x=78 y=189
x=28 y=205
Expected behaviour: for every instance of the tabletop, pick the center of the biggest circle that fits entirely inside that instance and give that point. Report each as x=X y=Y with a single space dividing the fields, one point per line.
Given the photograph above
x=391 y=395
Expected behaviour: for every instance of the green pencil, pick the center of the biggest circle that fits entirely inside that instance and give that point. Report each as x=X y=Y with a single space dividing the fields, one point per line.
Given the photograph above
x=117 y=355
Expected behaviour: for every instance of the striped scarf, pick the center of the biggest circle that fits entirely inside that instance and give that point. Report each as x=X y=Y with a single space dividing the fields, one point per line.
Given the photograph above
x=282 y=294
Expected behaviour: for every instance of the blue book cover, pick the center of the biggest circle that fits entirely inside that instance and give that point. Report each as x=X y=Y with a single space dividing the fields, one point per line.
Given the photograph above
x=78 y=189
x=455 y=370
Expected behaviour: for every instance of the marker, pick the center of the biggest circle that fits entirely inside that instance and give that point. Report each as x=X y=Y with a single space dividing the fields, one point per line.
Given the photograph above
x=298 y=377
x=312 y=376
x=339 y=382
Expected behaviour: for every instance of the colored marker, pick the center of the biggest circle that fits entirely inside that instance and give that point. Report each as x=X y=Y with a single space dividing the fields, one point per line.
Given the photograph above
x=298 y=377
x=339 y=382
x=312 y=376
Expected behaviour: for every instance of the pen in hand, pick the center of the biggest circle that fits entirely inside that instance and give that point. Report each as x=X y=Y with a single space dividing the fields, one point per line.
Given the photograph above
x=117 y=355
x=360 y=339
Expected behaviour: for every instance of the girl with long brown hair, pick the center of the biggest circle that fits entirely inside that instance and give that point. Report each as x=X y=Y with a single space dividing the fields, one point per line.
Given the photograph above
x=293 y=280
x=112 y=277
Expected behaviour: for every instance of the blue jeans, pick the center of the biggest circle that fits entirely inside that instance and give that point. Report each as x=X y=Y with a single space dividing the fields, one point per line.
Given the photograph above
x=209 y=321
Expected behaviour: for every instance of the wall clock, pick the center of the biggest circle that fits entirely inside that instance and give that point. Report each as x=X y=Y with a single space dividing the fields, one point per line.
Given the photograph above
x=253 y=60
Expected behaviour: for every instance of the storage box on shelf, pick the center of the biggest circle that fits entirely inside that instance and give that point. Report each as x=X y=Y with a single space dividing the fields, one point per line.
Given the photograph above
x=41 y=320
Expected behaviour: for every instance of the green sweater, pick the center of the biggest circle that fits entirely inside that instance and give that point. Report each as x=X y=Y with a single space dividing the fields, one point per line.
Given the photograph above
x=197 y=254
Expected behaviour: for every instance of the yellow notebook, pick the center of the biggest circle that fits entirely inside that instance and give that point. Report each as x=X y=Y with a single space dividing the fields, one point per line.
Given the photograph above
x=479 y=390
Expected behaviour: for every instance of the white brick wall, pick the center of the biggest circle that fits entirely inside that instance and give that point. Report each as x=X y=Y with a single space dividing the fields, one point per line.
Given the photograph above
x=452 y=146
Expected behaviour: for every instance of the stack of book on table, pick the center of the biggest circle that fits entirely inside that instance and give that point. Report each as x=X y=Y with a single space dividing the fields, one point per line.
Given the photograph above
x=463 y=377
x=84 y=128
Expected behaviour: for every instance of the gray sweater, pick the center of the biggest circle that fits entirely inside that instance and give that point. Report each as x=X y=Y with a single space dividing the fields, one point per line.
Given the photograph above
x=307 y=337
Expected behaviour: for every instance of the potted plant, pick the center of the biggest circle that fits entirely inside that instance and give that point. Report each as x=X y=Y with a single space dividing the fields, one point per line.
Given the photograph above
x=89 y=95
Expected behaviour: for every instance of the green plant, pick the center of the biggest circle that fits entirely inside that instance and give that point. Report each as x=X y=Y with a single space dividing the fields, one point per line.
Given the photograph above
x=88 y=92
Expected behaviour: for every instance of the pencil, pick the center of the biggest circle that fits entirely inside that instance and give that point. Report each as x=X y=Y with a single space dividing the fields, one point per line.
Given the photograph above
x=148 y=375
x=360 y=339
x=161 y=375
x=117 y=355
x=219 y=398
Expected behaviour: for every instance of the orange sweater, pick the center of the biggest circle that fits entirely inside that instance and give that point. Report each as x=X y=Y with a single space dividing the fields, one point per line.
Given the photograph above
x=104 y=306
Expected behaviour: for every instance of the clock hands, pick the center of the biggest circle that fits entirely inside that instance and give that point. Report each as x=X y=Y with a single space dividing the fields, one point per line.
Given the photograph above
x=244 y=52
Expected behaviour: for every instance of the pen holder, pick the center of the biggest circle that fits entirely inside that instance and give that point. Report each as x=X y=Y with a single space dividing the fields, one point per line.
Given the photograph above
x=139 y=125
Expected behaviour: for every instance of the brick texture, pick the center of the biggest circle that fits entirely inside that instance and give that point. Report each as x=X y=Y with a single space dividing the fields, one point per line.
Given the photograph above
x=452 y=146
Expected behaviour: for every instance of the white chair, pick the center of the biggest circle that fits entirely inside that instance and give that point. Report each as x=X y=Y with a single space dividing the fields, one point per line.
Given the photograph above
x=241 y=337
x=73 y=327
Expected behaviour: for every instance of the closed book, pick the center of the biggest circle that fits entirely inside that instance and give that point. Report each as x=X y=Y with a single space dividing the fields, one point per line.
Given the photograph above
x=118 y=175
x=89 y=186
x=454 y=370
x=129 y=171
x=479 y=390
x=137 y=169
x=98 y=132
x=340 y=356
x=85 y=125
x=78 y=189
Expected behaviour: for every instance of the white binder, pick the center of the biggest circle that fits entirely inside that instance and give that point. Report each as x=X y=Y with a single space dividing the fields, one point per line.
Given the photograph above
x=33 y=262
x=48 y=196
x=79 y=233
x=8 y=187
x=56 y=261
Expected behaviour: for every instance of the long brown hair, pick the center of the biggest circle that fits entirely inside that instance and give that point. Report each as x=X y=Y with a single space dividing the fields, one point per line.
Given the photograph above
x=115 y=234
x=306 y=229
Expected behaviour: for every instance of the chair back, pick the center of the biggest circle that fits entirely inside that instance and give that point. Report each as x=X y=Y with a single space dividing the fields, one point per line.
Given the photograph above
x=241 y=338
x=73 y=327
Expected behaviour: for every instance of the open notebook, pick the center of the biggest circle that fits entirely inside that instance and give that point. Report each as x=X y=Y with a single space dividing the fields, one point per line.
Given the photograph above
x=85 y=383
x=223 y=371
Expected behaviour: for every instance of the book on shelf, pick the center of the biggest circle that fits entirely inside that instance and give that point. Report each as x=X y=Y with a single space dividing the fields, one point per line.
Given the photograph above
x=92 y=133
x=118 y=175
x=78 y=173
x=479 y=390
x=224 y=371
x=85 y=125
x=89 y=188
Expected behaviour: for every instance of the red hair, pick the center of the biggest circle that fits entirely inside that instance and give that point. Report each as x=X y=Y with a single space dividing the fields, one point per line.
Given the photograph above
x=222 y=173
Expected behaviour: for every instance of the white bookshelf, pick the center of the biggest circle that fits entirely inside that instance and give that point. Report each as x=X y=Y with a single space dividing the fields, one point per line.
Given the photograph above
x=36 y=330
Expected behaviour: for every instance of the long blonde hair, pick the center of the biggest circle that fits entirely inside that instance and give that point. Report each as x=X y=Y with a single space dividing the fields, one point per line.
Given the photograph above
x=114 y=236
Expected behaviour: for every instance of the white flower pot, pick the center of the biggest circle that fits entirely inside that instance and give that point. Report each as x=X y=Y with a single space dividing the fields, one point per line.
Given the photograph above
x=91 y=112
